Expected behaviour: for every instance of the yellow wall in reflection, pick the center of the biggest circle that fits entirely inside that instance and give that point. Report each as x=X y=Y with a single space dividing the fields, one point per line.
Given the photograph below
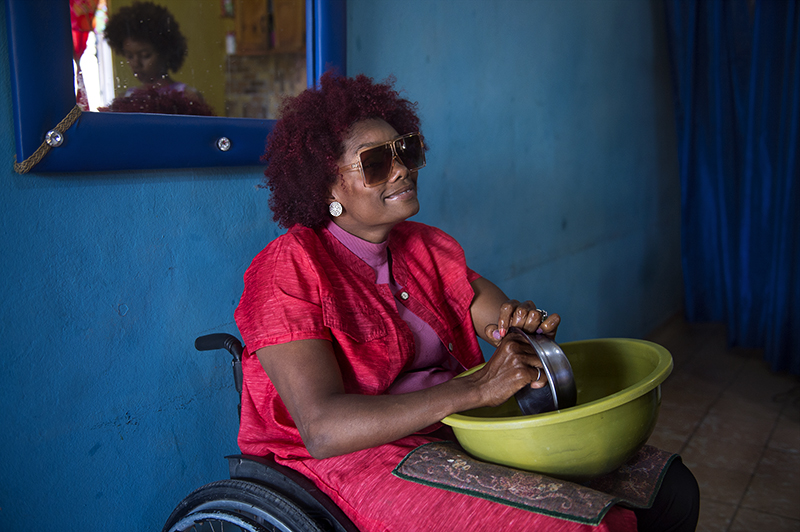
x=204 y=27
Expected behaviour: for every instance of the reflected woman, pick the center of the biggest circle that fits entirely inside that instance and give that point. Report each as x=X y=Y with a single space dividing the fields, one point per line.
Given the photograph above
x=149 y=38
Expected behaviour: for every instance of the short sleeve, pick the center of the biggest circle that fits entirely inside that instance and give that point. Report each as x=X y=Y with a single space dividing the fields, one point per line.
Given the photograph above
x=472 y=275
x=281 y=301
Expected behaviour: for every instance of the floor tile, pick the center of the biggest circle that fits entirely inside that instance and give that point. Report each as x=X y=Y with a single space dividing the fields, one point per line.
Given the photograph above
x=716 y=366
x=714 y=516
x=683 y=340
x=685 y=401
x=720 y=484
x=757 y=383
x=736 y=421
x=666 y=440
x=675 y=426
x=786 y=436
x=747 y=520
x=725 y=450
x=690 y=391
x=776 y=485
x=737 y=426
x=733 y=404
x=790 y=400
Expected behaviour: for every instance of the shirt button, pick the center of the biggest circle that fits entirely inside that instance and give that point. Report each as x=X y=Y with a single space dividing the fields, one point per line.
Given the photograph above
x=450 y=346
x=404 y=295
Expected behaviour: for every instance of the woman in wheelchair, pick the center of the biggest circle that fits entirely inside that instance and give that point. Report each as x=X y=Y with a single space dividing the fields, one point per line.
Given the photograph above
x=356 y=321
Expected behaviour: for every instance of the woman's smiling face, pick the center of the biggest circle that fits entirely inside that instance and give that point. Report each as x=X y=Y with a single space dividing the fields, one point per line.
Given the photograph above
x=371 y=212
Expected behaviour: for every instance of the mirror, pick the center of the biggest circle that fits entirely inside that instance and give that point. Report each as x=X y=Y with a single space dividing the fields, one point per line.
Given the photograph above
x=234 y=58
x=40 y=47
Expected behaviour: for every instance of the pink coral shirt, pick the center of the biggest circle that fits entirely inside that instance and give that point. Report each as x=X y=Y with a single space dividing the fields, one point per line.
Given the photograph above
x=432 y=364
x=306 y=284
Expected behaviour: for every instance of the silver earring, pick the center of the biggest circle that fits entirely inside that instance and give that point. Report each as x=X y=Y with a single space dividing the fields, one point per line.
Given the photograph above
x=335 y=208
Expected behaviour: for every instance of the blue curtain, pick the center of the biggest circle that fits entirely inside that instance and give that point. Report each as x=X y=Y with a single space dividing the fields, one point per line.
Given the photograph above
x=736 y=76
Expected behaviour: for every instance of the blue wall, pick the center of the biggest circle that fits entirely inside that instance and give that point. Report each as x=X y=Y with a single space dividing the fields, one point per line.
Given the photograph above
x=552 y=160
x=552 y=146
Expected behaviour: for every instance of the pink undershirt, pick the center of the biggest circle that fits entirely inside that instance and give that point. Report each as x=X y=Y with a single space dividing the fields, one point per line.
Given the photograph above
x=433 y=363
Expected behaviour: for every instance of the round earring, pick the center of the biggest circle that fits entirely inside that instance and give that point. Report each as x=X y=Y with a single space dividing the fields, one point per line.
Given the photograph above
x=335 y=208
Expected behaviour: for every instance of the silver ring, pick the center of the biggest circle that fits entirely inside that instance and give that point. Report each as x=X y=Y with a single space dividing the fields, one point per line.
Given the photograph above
x=538 y=374
x=543 y=313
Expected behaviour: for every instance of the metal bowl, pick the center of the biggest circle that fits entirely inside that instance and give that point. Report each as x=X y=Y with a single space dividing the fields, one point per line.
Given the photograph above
x=560 y=391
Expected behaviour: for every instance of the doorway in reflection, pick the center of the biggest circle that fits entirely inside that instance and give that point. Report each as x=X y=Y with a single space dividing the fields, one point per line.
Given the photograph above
x=244 y=56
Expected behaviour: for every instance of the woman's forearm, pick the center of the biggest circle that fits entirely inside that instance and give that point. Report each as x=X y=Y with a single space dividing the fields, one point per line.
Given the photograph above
x=345 y=423
x=306 y=375
x=485 y=307
x=308 y=380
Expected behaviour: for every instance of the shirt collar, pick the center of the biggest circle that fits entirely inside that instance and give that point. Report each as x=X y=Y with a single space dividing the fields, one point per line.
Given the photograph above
x=373 y=254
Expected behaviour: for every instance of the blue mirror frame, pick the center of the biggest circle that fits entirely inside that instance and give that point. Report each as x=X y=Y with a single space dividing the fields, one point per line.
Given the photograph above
x=40 y=46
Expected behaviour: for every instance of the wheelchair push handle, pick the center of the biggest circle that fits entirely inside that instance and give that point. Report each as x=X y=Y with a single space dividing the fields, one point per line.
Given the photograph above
x=214 y=341
x=211 y=342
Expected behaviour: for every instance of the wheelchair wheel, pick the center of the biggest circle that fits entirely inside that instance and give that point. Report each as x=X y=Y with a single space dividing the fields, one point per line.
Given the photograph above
x=234 y=505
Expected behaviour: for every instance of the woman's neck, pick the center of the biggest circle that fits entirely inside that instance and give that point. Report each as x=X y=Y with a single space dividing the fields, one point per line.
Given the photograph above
x=374 y=235
x=161 y=82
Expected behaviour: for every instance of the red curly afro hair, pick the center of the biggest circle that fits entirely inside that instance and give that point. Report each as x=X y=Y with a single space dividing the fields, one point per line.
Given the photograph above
x=149 y=23
x=307 y=142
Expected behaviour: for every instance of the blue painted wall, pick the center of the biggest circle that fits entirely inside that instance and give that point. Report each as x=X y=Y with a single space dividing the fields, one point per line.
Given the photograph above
x=552 y=146
x=552 y=160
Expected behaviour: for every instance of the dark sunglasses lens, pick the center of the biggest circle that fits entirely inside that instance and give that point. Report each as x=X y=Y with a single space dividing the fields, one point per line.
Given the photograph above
x=409 y=150
x=376 y=163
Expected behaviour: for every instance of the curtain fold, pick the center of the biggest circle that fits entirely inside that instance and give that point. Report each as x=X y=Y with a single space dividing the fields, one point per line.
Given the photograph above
x=736 y=81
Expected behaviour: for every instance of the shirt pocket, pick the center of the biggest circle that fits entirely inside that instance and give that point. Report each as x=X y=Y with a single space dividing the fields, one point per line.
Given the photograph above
x=357 y=320
x=458 y=297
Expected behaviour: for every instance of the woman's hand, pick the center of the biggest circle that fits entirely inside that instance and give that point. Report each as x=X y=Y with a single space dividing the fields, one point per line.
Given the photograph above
x=524 y=316
x=512 y=366
x=493 y=313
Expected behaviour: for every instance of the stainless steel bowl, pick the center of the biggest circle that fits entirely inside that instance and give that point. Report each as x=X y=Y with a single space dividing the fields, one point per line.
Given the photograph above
x=560 y=392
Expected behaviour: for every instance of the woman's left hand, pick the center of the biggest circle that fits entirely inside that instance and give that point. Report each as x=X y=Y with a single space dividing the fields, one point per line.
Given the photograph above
x=524 y=316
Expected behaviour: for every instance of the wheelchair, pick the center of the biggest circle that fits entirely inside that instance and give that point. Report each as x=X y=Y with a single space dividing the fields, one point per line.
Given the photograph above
x=261 y=494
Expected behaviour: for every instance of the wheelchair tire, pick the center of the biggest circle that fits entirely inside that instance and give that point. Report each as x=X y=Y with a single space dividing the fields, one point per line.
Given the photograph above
x=247 y=506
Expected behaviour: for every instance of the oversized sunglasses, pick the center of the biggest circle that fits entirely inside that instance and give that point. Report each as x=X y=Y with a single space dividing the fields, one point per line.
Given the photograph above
x=375 y=162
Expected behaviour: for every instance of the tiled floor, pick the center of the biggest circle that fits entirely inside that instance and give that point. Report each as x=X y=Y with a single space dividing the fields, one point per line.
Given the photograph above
x=736 y=425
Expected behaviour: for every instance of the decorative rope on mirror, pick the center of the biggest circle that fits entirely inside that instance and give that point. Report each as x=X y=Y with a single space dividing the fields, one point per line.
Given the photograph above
x=54 y=139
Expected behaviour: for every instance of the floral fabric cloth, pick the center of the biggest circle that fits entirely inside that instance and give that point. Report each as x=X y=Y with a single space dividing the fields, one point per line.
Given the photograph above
x=446 y=465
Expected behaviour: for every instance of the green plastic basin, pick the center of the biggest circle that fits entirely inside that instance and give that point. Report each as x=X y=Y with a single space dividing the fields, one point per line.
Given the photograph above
x=619 y=395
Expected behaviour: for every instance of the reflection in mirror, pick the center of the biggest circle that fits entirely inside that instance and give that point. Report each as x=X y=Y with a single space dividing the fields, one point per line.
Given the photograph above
x=235 y=58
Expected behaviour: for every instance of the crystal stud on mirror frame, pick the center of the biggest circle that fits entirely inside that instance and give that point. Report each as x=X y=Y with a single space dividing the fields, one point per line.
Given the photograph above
x=224 y=143
x=53 y=138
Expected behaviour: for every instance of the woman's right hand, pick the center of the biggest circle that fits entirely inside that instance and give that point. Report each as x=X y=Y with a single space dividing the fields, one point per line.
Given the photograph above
x=512 y=366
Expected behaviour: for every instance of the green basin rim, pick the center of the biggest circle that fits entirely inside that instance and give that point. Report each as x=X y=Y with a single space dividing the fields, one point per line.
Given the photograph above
x=645 y=385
